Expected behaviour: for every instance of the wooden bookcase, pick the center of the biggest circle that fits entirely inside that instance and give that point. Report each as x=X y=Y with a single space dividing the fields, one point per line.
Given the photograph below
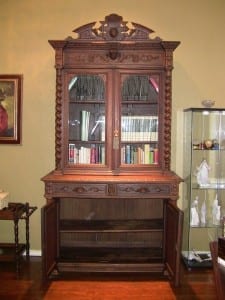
x=111 y=200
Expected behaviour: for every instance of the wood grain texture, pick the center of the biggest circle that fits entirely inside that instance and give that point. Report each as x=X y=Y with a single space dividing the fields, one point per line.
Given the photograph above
x=195 y=284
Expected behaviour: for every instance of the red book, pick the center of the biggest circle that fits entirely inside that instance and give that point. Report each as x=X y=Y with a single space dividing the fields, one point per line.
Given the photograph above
x=156 y=156
x=93 y=155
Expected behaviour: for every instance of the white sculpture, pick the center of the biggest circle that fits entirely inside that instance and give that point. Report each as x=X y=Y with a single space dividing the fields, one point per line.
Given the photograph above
x=218 y=214
x=194 y=213
x=203 y=213
x=202 y=173
x=215 y=212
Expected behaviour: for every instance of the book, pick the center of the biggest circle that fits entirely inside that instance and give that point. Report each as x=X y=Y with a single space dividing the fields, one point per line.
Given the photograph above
x=146 y=153
x=71 y=153
x=156 y=156
x=85 y=119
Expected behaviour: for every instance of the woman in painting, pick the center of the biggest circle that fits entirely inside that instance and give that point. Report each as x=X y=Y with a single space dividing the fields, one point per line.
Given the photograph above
x=3 y=116
x=6 y=130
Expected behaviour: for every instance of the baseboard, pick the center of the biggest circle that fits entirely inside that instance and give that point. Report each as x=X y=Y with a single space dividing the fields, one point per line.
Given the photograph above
x=34 y=253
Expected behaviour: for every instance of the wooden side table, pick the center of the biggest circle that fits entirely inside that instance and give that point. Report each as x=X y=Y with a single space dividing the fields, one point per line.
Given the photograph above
x=13 y=251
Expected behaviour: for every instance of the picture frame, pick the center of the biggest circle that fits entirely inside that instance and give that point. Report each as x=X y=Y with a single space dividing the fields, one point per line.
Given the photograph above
x=11 y=108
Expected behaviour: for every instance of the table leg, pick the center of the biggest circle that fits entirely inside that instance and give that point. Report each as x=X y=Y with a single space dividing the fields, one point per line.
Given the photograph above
x=16 y=235
x=27 y=231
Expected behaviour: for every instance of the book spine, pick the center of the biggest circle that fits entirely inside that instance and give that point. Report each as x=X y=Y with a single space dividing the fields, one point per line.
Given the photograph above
x=71 y=153
x=156 y=156
x=85 y=119
x=128 y=154
x=93 y=154
x=146 y=153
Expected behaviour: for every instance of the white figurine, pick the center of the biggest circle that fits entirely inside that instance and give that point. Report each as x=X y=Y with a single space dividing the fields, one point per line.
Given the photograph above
x=215 y=212
x=203 y=213
x=194 y=213
x=202 y=173
x=218 y=215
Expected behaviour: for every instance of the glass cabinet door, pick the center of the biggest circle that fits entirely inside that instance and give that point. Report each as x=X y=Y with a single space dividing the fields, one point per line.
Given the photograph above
x=117 y=130
x=204 y=175
x=139 y=124
x=86 y=119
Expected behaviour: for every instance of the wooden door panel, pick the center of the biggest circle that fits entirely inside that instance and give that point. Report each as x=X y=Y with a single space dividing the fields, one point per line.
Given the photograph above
x=49 y=217
x=173 y=240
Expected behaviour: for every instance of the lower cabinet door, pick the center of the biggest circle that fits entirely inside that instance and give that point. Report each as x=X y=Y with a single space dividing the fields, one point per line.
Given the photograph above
x=49 y=236
x=173 y=241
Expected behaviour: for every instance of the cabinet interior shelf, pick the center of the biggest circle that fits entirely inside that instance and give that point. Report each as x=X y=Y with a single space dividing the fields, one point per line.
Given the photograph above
x=206 y=226
x=216 y=186
x=87 y=102
x=139 y=142
x=111 y=225
x=111 y=255
x=208 y=150
x=86 y=142
x=139 y=102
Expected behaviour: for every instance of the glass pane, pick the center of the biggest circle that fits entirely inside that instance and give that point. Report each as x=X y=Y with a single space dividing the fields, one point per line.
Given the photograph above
x=86 y=119
x=140 y=87
x=86 y=87
x=139 y=120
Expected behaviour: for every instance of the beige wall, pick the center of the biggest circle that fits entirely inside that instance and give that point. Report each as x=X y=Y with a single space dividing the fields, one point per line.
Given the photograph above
x=26 y=26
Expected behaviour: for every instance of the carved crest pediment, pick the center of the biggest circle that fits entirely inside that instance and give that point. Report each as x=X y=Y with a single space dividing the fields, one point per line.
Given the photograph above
x=113 y=28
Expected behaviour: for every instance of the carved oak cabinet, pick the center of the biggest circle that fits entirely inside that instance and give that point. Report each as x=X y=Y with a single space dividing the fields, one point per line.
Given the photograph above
x=111 y=200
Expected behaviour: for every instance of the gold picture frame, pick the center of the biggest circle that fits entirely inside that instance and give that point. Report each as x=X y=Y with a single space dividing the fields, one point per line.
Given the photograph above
x=10 y=108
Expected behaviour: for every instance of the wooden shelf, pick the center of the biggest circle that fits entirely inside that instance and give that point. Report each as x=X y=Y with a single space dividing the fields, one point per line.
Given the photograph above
x=111 y=255
x=110 y=225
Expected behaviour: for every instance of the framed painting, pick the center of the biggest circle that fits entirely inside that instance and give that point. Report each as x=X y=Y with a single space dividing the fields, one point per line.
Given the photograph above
x=10 y=109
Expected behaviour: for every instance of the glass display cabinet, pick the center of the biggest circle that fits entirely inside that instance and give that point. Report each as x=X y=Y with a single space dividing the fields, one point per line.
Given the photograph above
x=204 y=189
x=111 y=199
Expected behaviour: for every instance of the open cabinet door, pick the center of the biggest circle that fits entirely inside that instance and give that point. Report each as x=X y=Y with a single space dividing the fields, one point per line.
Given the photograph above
x=173 y=241
x=49 y=237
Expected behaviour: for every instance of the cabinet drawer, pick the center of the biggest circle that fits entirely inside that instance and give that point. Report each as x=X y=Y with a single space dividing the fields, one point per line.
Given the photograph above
x=143 y=190
x=79 y=190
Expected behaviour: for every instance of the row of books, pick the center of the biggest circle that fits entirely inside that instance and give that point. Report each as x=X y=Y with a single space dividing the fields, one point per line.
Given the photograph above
x=139 y=128
x=130 y=154
x=144 y=154
x=133 y=128
x=95 y=154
